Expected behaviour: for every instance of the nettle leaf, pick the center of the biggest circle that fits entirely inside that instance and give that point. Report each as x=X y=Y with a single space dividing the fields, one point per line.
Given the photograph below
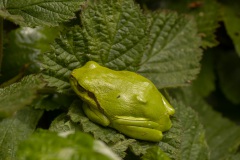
x=19 y=95
x=23 y=47
x=70 y=122
x=63 y=146
x=228 y=69
x=173 y=54
x=115 y=34
x=16 y=129
x=14 y=18
x=39 y=12
x=140 y=148
x=67 y=54
x=186 y=139
x=206 y=13
x=53 y=101
x=155 y=153
x=234 y=156
x=115 y=31
x=63 y=124
x=119 y=46
x=223 y=140
x=230 y=14
x=205 y=82
x=120 y=147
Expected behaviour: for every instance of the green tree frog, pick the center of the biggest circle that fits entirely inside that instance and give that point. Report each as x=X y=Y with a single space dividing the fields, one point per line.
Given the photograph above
x=123 y=100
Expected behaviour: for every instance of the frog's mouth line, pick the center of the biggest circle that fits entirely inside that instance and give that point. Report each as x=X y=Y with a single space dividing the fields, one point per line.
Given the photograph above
x=81 y=90
x=90 y=94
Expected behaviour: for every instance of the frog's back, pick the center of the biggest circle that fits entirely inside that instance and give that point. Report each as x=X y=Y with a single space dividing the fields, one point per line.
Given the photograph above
x=130 y=93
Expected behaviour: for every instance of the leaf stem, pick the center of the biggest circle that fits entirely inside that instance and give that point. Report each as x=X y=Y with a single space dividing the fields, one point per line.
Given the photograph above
x=1 y=43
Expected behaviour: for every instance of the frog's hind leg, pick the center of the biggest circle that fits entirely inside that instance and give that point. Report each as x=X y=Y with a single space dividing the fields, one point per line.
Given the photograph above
x=138 y=128
x=141 y=133
x=95 y=115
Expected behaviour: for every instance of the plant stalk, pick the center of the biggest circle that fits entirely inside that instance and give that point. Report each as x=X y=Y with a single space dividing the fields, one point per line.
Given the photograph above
x=1 y=43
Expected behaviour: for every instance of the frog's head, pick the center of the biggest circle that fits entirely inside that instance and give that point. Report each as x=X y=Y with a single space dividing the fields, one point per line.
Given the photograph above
x=80 y=80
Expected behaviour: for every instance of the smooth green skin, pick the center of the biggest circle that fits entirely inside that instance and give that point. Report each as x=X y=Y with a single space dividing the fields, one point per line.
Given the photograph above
x=122 y=100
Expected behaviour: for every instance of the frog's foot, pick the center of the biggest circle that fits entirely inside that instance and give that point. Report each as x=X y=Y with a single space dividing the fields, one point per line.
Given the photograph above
x=169 y=108
x=95 y=115
x=138 y=128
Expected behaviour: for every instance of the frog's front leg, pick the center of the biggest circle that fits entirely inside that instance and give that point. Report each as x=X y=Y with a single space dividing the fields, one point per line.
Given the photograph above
x=138 y=128
x=95 y=115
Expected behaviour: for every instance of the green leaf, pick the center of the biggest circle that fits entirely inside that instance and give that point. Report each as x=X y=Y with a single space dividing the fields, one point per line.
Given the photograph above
x=115 y=35
x=45 y=103
x=6 y=15
x=115 y=31
x=186 y=139
x=53 y=101
x=63 y=124
x=155 y=153
x=19 y=95
x=64 y=146
x=39 y=12
x=22 y=50
x=140 y=147
x=229 y=71
x=173 y=54
x=230 y=14
x=67 y=54
x=206 y=13
x=222 y=135
x=16 y=129
x=205 y=82
x=234 y=156
x=37 y=38
x=120 y=147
